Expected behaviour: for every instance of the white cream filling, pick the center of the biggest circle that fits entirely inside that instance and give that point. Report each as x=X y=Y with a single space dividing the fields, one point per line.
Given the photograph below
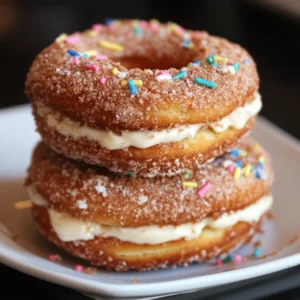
x=69 y=228
x=144 y=139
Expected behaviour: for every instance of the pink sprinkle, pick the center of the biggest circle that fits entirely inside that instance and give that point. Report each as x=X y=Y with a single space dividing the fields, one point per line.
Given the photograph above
x=237 y=259
x=230 y=169
x=101 y=57
x=219 y=262
x=180 y=29
x=110 y=28
x=73 y=39
x=75 y=60
x=102 y=80
x=54 y=257
x=202 y=191
x=230 y=63
x=97 y=27
x=198 y=34
x=91 y=67
x=153 y=26
x=78 y=268
x=143 y=23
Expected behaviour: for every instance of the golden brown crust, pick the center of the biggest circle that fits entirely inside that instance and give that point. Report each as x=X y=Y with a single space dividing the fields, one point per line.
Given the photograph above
x=162 y=159
x=113 y=254
x=76 y=91
x=137 y=201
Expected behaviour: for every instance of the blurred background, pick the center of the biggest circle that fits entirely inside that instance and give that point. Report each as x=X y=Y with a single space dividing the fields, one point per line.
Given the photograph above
x=268 y=29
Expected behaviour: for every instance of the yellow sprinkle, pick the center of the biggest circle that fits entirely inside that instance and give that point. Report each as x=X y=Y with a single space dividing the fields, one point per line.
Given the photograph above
x=243 y=153
x=247 y=170
x=92 y=33
x=115 y=71
x=91 y=53
x=220 y=58
x=23 y=204
x=111 y=46
x=154 y=21
x=261 y=159
x=173 y=27
x=256 y=147
x=61 y=37
x=190 y=184
x=136 y=82
x=237 y=173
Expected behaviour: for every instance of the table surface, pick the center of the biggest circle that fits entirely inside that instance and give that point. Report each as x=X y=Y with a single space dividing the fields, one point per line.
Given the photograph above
x=273 y=40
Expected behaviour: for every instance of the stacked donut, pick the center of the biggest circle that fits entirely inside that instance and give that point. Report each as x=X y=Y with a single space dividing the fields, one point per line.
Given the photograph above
x=144 y=161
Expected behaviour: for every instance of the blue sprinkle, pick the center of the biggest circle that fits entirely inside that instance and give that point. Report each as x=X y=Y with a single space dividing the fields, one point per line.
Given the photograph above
x=138 y=31
x=73 y=53
x=132 y=87
x=257 y=252
x=261 y=165
x=257 y=173
x=186 y=44
x=108 y=21
x=239 y=164
x=210 y=59
x=236 y=66
x=205 y=82
x=180 y=75
x=235 y=152
x=196 y=62
x=247 y=61
x=85 y=55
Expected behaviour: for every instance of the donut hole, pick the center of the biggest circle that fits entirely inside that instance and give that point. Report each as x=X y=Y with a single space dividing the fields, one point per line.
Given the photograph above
x=162 y=63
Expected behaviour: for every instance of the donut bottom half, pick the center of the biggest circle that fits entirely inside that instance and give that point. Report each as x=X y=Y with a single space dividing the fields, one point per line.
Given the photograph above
x=113 y=254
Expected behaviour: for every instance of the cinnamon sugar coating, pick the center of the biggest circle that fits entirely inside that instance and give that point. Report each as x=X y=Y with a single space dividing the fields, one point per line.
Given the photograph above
x=130 y=201
x=70 y=86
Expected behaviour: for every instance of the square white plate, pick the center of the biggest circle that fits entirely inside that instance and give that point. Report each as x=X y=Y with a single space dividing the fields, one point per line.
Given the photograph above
x=30 y=251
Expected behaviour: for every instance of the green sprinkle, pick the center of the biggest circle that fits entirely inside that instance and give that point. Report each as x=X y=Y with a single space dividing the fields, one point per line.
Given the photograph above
x=214 y=65
x=138 y=30
x=236 y=66
x=210 y=59
x=205 y=82
x=180 y=75
x=130 y=174
x=227 y=259
x=257 y=252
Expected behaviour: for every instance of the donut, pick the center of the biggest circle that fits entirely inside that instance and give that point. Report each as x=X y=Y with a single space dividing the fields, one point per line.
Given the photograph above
x=123 y=222
x=145 y=97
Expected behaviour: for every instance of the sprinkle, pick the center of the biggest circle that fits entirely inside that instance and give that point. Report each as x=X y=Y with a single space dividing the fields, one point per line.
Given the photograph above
x=54 y=257
x=78 y=268
x=23 y=204
x=92 y=33
x=190 y=184
x=108 y=21
x=111 y=46
x=122 y=75
x=243 y=153
x=215 y=65
x=237 y=173
x=257 y=252
x=136 y=82
x=237 y=259
x=220 y=58
x=132 y=87
x=153 y=24
x=102 y=80
x=163 y=75
x=257 y=173
x=154 y=21
x=236 y=66
x=143 y=23
x=75 y=60
x=73 y=39
x=61 y=37
x=91 y=67
x=130 y=174
x=188 y=174
x=196 y=62
x=115 y=71
x=210 y=59
x=180 y=75
x=239 y=163
x=205 y=82
x=261 y=165
x=256 y=147
x=218 y=262
x=138 y=31
x=227 y=69
x=227 y=259
x=227 y=162
x=261 y=159
x=85 y=55
x=247 y=61
x=101 y=57
x=91 y=53
x=187 y=44
x=235 y=152
x=97 y=27
x=230 y=168
x=247 y=170
x=204 y=189
x=82 y=204
x=73 y=53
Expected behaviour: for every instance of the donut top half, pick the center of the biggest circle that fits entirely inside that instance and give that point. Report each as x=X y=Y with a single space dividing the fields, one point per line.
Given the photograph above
x=138 y=75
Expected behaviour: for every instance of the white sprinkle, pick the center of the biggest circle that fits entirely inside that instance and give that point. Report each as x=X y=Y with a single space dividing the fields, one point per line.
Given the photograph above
x=142 y=200
x=122 y=75
x=100 y=188
x=226 y=163
x=82 y=204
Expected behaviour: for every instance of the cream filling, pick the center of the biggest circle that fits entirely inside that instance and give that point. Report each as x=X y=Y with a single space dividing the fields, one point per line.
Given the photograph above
x=69 y=228
x=144 y=139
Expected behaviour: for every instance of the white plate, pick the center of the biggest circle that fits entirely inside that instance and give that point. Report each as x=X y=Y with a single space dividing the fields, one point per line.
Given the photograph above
x=29 y=253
